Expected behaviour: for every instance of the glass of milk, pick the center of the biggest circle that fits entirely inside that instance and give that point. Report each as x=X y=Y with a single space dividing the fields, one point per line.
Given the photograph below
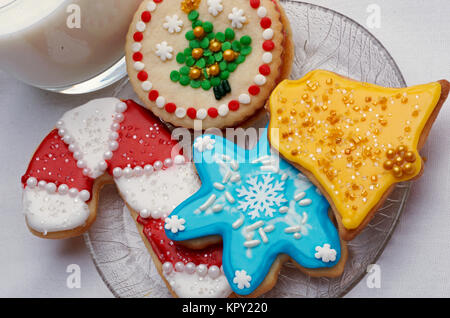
x=67 y=46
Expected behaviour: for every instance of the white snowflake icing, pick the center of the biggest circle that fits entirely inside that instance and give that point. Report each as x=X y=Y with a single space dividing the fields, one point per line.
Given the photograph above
x=164 y=51
x=261 y=196
x=237 y=18
x=215 y=7
x=325 y=253
x=204 y=143
x=242 y=279
x=175 y=224
x=173 y=24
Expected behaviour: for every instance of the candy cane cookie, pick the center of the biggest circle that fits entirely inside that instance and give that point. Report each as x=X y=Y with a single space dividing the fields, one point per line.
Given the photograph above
x=113 y=141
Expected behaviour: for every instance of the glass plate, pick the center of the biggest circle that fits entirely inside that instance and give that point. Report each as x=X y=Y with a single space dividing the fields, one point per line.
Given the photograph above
x=323 y=39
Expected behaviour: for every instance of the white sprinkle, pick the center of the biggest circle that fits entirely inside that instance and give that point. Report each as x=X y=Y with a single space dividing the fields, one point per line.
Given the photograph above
x=234 y=165
x=293 y=229
x=254 y=226
x=223 y=110
x=263 y=235
x=244 y=99
x=227 y=176
x=151 y=6
x=260 y=80
x=305 y=202
x=268 y=34
x=269 y=228
x=219 y=186
x=208 y=202
x=235 y=178
x=252 y=243
x=284 y=177
x=140 y=26
x=238 y=223
x=267 y=57
x=229 y=197
x=305 y=218
x=284 y=209
x=297 y=236
x=147 y=86
x=160 y=102
x=262 y=12
x=299 y=196
x=217 y=208
x=136 y=47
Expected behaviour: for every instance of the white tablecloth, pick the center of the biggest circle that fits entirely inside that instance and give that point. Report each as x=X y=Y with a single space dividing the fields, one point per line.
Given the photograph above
x=416 y=261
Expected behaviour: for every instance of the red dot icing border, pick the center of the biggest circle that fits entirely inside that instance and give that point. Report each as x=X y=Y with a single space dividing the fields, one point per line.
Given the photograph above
x=212 y=112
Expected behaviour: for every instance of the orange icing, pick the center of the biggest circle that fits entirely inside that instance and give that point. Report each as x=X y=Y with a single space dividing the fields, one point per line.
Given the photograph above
x=357 y=139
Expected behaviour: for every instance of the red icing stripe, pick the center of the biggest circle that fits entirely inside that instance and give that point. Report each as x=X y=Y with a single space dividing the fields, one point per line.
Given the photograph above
x=53 y=162
x=169 y=251
x=143 y=139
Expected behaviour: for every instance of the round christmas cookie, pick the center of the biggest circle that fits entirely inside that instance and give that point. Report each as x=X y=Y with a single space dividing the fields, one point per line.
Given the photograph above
x=210 y=61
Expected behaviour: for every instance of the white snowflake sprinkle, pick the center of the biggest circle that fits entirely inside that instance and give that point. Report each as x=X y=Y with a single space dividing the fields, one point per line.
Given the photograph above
x=215 y=7
x=175 y=224
x=325 y=253
x=164 y=51
x=242 y=279
x=237 y=18
x=173 y=24
x=261 y=197
x=204 y=143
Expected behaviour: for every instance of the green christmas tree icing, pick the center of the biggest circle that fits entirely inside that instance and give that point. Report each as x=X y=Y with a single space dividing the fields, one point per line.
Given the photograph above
x=211 y=57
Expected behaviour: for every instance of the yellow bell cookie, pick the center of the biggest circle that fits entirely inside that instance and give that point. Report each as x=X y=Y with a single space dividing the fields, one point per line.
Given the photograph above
x=354 y=140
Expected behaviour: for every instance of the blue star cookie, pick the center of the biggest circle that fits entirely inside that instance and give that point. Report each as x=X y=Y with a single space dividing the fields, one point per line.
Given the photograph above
x=261 y=206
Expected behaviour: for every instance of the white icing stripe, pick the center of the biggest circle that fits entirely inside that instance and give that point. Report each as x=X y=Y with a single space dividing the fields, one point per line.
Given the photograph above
x=197 y=281
x=52 y=212
x=149 y=191
x=88 y=132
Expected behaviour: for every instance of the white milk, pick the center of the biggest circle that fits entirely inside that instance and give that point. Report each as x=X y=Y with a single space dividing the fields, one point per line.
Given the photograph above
x=38 y=47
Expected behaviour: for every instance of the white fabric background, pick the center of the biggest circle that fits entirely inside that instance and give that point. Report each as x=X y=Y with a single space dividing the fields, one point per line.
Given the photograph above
x=416 y=261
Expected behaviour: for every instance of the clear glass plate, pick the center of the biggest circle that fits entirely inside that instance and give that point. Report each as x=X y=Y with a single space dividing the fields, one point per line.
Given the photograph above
x=323 y=39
